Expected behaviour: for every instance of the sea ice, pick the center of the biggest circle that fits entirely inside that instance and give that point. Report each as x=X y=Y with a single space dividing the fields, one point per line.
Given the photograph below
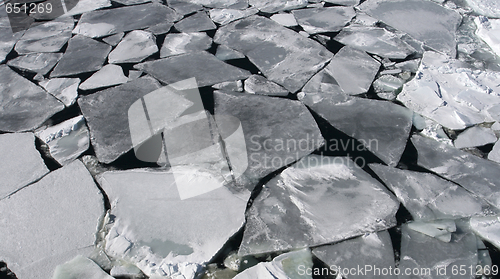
x=224 y=53
x=82 y=55
x=181 y=43
x=67 y=199
x=235 y=4
x=195 y=23
x=225 y=16
x=47 y=37
x=132 y=2
x=489 y=31
x=20 y=162
x=66 y=140
x=494 y=154
x=272 y=6
x=282 y=55
x=84 y=6
x=184 y=8
x=113 y=40
x=319 y=20
x=231 y=86
x=489 y=8
x=440 y=229
x=487 y=228
x=475 y=136
x=109 y=75
x=7 y=38
x=387 y=84
x=135 y=47
x=78 y=268
x=64 y=89
x=318 y=200
x=285 y=19
x=40 y=63
x=25 y=106
x=257 y=84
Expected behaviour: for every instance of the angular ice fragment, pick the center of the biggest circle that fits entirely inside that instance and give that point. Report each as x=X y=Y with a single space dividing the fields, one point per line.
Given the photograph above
x=132 y=2
x=291 y=209
x=66 y=140
x=475 y=174
x=224 y=53
x=67 y=199
x=272 y=6
x=102 y=23
x=373 y=249
x=135 y=47
x=282 y=55
x=195 y=23
x=344 y=2
x=64 y=89
x=80 y=267
x=225 y=16
x=47 y=37
x=487 y=228
x=231 y=86
x=475 y=136
x=184 y=8
x=20 y=162
x=257 y=84
x=319 y=20
x=381 y=126
x=285 y=19
x=82 y=55
x=440 y=229
x=113 y=40
x=40 y=63
x=374 y=40
x=489 y=31
x=494 y=154
x=388 y=83
x=25 y=106
x=489 y=8
x=176 y=43
x=203 y=66
x=83 y=6
x=236 y=4
x=109 y=75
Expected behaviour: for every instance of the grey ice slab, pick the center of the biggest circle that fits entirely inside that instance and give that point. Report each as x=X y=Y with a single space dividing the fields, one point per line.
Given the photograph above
x=47 y=37
x=107 y=22
x=234 y=86
x=285 y=19
x=207 y=69
x=489 y=8
x=282 y=55
x=236 y=4
x=494 y=154
x=374 y=40
x=277 y=131
x=451 y=93
x=82 y=55
x=64 y=89
x=135 y=47
x=225 y=16
x=318 y=200
x=50 y=222
x=257 y=84
x=475 y=136
x=183 y=7
x=272 y=6
x=20 y=162
x=109 y=75
x=182 y=43
x=159 y=232
x=25 y=106
x=429 y=197
x=7 y=38
x=435 y=257
x=388 y=84
x=488 y=228
x=319 y=20
x=84 y=6
x=66 y=140
x=195 y=23
x=344 y=2
x=224 y=53
x=424 y=20
x=80 y=267
x=373 y=249
x=40 y=63
x=381 y=126
x=106 y=113
x=477 y=175
x=132 y=2
x=113 y=40
x=488 y=30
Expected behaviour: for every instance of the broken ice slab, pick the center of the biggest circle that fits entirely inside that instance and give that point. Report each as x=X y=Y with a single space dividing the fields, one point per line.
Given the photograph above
x=7 y=38
x=64 y=89
x=426 y=21
x=487 y=228
x=132 y=2
x=191 y=231
x=285 y=19
x=160 y=28
x=234 y=4
x=126 y=270
x=231 y=86
x=282 y=55
x=272 y=6
x=475 y=136
x=489 y=31
x=181 y=43
x=66 y=140
x=494 y=154
x=84 y=6
x=320 y=20
x=257 y=84
x=109 y=75
x=25 y=106
x=489 y=8
x=373 y=249
x=106 y=113
x=434 y=258
x=440 y=229
x=291 y=210
x=40 y=63
x=195 y=23
x=344 y=2
x=102 y=23
x=113 y=40
x=477 y=175
x=380 y=126
x=225 y=16
x=277 y=132
x=374 y=40
x=449 y=92
x=20 y=162
x=67 y=199
x=207 y=69
x=428 y=197
x=79 y=267
x=82 y=55
x=135 y=47
x=291 y=265
x=47 y=37
x=184 y=8
x=224 y=53
x=388 y=83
